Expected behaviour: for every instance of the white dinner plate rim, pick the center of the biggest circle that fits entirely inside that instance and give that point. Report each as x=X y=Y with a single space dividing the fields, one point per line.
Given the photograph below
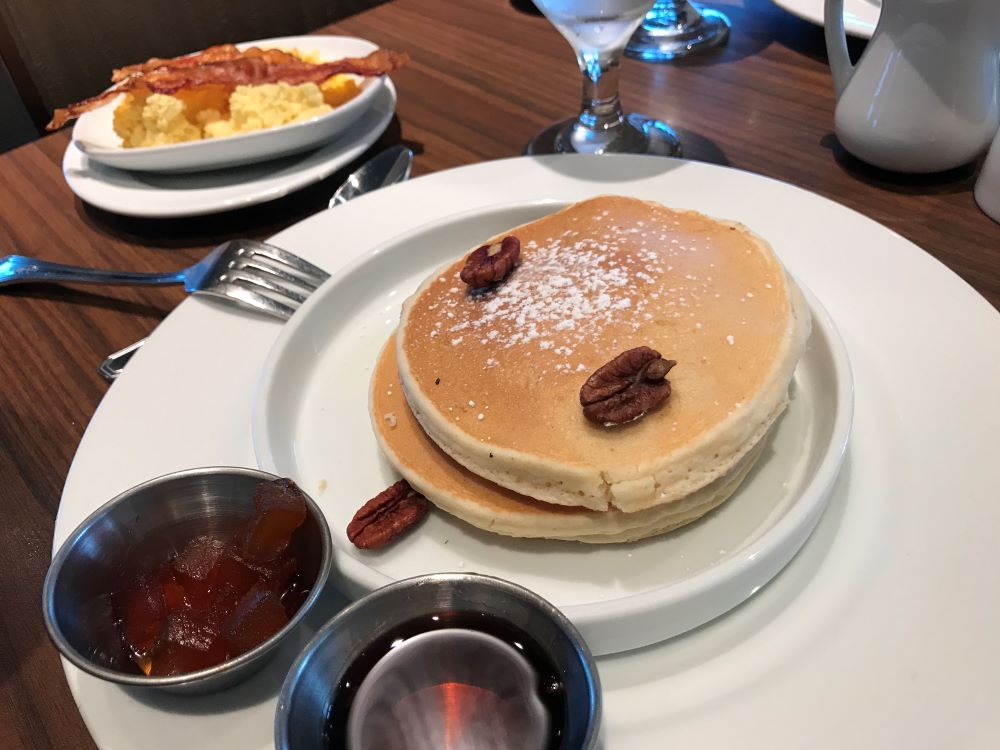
x=136 y=158
x=771 y=631
x=315 y=166
x=779 y=542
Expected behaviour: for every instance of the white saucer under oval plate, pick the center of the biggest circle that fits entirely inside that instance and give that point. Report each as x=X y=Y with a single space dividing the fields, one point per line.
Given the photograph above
x=847 y=647
x=860 y=16
x=94 y=133
x=311 y=423
x=160 y=195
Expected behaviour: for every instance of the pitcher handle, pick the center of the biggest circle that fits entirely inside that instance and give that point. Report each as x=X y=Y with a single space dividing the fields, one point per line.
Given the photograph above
x=836 y=45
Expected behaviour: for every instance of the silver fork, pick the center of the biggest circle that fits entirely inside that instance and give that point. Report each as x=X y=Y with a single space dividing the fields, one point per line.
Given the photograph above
x=254 y=275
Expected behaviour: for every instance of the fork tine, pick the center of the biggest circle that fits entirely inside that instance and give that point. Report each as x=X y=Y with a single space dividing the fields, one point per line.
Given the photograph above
x=243 y=297
x=291 y=260
x=239 y=276
x=267 y=270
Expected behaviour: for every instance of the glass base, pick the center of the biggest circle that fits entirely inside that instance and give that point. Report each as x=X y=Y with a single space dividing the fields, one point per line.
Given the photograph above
x=640 y=135
x=658 y=43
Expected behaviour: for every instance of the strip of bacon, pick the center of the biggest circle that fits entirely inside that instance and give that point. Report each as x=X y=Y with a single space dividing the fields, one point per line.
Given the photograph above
x=244 y=71
x=219 y=53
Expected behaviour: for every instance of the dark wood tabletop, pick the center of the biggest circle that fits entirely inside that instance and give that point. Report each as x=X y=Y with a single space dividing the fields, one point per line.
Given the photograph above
x=485 y=77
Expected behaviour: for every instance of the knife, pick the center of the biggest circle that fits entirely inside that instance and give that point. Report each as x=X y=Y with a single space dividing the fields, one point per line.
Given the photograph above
x=384 y=169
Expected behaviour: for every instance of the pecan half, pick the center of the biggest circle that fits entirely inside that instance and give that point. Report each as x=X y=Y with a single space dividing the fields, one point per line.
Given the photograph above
x=491 y=264
x=626 y=387
x=387 y=516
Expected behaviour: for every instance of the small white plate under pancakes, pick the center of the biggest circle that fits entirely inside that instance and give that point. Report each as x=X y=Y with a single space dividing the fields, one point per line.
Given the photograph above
x=311 y=419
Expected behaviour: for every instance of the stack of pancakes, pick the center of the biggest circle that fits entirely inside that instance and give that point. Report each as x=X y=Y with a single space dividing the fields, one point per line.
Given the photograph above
x=476 y=398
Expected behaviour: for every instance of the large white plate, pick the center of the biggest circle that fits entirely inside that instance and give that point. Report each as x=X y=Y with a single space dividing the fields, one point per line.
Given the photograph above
x=881 y=633
x=94 y=132
x=860 y=16
x=311 y=423
x=170 y=195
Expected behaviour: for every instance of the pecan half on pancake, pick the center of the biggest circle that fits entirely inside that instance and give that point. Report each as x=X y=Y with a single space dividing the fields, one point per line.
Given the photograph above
x=627 y=387
x=491 y=264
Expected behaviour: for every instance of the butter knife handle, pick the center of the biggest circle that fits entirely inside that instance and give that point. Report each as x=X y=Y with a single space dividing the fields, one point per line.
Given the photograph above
x=112 y=367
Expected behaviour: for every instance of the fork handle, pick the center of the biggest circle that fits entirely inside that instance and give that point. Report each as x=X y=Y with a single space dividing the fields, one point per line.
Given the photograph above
x=18 y=269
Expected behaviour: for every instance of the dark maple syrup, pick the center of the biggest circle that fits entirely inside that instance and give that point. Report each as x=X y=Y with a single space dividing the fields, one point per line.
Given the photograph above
x=547 y=683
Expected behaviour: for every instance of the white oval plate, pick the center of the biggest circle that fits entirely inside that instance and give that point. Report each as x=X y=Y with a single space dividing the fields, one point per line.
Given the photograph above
x=311 y=423
x=848 y=647
x=95 y=136
x=152 y=195
x=860 y=16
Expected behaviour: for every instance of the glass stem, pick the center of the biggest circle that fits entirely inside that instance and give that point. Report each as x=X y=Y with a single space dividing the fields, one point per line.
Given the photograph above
x=669 y=14
x=601 y=108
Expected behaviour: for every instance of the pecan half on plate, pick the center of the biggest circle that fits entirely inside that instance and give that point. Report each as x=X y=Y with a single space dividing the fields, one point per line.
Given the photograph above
x=491 y=264
x=387 y=516
x=627 y=387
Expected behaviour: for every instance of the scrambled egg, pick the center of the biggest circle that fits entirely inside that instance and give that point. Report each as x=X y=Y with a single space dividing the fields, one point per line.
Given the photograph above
x=153 y=121
x=212 y=112
x=267 y=106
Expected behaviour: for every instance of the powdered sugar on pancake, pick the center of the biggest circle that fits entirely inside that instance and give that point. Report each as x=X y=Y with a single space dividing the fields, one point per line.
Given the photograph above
x=596 y=278
x=570 y=288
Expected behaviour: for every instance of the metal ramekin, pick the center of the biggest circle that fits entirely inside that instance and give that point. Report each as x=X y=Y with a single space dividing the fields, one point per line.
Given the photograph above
x=311 y=686
x=141 y=528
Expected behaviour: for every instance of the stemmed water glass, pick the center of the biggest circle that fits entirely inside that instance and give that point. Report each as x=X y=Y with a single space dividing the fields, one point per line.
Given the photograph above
x=676 y=28
x=598 y=31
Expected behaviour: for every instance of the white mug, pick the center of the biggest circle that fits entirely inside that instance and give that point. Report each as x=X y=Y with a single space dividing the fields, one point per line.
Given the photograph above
x=923 y=96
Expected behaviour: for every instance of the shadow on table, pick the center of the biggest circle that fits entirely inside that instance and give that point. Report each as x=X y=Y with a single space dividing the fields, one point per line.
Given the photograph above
x=700 y=148
x=256 y=222
x=60 y=293
x=958 y=180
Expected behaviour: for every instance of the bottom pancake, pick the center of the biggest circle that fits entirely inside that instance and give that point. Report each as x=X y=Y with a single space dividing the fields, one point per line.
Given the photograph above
x=479 y=502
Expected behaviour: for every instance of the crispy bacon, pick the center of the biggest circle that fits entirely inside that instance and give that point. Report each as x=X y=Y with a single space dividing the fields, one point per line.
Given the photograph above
x=219 y=53
x=246 y=70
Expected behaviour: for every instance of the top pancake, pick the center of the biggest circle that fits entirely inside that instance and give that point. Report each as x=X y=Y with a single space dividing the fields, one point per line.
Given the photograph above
x=494 y=379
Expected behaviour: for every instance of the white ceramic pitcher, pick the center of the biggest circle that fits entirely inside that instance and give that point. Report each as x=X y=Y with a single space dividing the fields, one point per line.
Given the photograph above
x=923 y=96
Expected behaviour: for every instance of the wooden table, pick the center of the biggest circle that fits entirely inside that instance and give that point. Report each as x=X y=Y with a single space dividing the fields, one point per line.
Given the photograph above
x=485 y=78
